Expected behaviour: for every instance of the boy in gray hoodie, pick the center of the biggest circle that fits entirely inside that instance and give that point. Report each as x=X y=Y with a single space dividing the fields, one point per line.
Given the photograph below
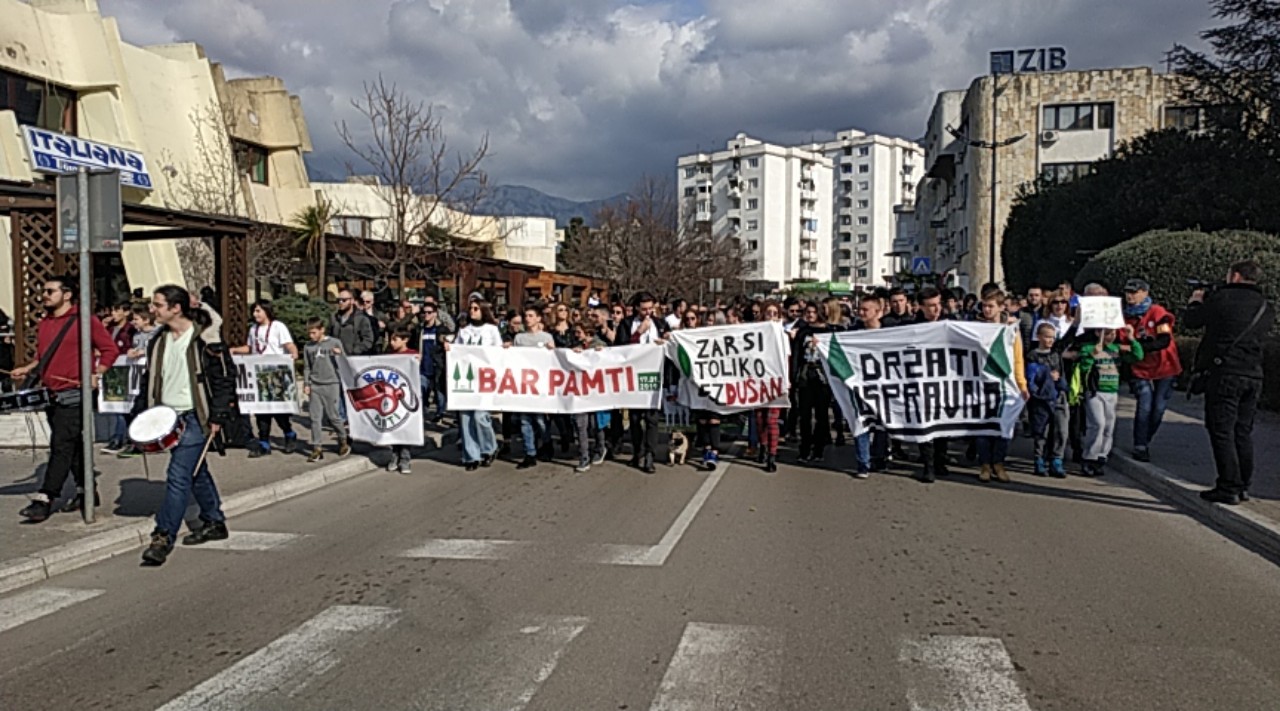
x=324 y=385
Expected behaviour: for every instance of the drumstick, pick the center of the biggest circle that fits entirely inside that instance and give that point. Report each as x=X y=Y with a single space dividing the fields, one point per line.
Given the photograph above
x=146 y=468
x=204 y=453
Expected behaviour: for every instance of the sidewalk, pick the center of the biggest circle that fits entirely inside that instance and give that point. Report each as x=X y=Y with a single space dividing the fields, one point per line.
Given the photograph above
x=130 y=498
x=1182 y=465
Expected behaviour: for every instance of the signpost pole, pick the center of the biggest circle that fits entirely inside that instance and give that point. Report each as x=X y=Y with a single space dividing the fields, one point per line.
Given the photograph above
x=86 y=344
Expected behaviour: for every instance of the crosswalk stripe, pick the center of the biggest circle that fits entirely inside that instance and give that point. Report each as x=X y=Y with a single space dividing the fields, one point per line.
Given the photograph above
x=289 y=661
x=514 y=660
x=957 y=673
x=722 y=667
x=468 y=549
x=34 y=604
x=251 y=541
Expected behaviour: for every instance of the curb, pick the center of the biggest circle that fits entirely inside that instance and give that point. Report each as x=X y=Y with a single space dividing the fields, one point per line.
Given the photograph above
x=42 y=565
x=1254 y=530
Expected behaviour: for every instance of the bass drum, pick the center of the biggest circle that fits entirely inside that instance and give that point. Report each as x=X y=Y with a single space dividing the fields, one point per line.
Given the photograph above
x=157 y=430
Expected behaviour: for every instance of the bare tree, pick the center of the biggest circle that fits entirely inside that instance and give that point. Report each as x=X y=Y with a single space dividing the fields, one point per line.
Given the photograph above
x=431 y=192
x=644 y=245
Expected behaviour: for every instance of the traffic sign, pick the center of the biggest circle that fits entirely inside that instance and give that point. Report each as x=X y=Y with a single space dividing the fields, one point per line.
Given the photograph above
x=921 y=266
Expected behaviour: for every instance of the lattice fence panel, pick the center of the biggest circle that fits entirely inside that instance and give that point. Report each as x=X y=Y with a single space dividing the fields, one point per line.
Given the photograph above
x=35 y=259
x=234 y=272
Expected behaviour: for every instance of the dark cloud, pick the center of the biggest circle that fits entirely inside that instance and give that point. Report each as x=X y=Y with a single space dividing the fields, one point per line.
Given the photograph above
x=580 y=97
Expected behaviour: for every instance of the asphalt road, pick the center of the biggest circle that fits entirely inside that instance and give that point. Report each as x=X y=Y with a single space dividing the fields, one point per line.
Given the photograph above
x=547 y=590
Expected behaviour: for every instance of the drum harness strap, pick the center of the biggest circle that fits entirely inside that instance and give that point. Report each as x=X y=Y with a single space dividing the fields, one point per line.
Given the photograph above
x=43 y=364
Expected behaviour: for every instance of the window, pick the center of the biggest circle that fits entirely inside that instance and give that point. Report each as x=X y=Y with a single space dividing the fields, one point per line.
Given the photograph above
x=846 y=237
x=753 y=224
x=846 y=220
x=809 y=225
x=753 y=183
x=864 y=204
x=864 y=220
x=38 y=103
x=690 y=172
x=753 y=204
x=861 y=255
x=863 y=238
x=843 y=271
x=252 y=160
x=350 y=226
x=753 y=245
x=1057 y=173
x=753 y=162
x=1183 y=118
x=864 y=185
x=848 y=150
x=1079 y=117
x=690 y=192
x=864 y=168
x=864 y=151
x=752 y=265
x=908 y=169
x=862 y=273
x=846 y=168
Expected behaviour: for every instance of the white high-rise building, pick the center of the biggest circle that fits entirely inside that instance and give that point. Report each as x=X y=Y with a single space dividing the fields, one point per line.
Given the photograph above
x=875 y=182
x=775 y=199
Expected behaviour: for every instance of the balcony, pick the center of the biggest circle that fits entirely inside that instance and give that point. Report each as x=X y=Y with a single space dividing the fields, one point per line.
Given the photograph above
x=808 y=255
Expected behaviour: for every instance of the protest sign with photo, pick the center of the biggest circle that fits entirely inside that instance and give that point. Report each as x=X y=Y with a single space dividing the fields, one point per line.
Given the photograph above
x=384 y=398
x=945 y=379
x=266 y=384
x=120 y=385
x=557 y=381
x=1101 y=312
x=729 y=369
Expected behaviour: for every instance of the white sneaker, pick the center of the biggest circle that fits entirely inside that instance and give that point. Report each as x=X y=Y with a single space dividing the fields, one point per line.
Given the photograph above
x=394 y=466
x=405 y=468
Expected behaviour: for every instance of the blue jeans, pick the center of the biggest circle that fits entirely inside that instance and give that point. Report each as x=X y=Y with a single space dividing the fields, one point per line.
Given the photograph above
x=529 y=422
x=428 y=384
x=180 y=485
x=119 y=429
x=992 y=450
x=872 y=444
x=478 y=440
x=753 y=432
x=1153 y=398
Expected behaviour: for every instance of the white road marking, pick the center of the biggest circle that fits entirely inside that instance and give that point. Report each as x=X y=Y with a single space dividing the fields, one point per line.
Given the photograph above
x=287 y=663
x=252 y=541
x=722 y=667
x=511 y=663
x=468 y=549
x=955 y=673
x=34 y=604
x=602 y=554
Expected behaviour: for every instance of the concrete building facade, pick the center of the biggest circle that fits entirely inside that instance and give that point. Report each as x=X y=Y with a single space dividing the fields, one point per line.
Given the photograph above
x=874 y=187
x=776 y=200
x=1068 y=120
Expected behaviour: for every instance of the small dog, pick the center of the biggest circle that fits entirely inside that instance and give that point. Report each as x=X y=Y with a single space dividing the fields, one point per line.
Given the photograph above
x=678 y=448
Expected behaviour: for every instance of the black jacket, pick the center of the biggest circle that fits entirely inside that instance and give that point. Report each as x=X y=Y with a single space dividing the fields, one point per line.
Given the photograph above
x=213 y=379
x=623 y=335
x=1225 y=316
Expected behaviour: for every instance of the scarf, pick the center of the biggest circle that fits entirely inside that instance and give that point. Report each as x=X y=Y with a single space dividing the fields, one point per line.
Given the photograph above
x=1139 y=310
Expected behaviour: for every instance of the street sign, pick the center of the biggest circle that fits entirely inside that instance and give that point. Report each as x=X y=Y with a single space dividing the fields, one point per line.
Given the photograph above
x=104 y=219
x=921 y=266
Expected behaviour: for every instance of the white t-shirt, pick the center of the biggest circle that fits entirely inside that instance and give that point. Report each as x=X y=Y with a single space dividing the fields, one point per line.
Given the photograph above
x=269 y=339
x=648 y=336
x=485 y=334
x=673 y=321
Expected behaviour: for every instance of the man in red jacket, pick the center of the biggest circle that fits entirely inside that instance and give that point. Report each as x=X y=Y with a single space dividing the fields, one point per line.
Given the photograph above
x=61 y=375
x=1153 y=377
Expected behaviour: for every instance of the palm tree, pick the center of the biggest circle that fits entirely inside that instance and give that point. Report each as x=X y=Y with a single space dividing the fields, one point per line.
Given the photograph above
x=309 y=225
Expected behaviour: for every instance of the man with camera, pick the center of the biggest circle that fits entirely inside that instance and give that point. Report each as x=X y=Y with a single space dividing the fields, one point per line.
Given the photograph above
x=1228 y=370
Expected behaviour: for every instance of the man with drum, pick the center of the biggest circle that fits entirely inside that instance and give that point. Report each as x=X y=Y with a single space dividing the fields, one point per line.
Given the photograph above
x=193 y=385
x=57 y=367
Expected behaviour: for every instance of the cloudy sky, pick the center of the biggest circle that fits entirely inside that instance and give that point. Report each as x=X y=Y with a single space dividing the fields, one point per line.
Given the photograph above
x=581 y=97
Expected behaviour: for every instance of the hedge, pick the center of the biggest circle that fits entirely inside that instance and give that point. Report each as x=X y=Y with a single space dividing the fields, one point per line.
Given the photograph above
x=294 y=310
x=1167 y=259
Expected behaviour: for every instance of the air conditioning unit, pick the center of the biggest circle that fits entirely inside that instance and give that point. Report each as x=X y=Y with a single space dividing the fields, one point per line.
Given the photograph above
x=1048 y=136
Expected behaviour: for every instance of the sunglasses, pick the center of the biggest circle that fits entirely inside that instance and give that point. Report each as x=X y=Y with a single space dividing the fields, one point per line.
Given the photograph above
x=1060 y=301
x=343 y=299
x=52 y=291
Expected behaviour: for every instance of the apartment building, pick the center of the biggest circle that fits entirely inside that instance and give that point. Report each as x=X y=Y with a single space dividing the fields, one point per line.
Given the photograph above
x=776 y=200
x=875 y=184
x=1063 y=123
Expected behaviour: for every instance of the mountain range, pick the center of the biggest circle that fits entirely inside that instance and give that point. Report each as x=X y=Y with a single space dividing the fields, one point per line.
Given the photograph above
x=527 y=202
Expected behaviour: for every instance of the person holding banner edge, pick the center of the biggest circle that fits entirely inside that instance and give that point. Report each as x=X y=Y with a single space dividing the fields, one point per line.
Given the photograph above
x=270 y=337
x=643 y=326
x=196 y=379
x=479 y=444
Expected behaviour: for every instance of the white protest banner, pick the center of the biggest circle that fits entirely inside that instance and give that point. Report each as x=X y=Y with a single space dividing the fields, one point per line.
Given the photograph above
x=919 y=382
x=120 y=385
x=557 y=381
x=1101 y=312
x=384 y=398
x=265 y=384
x=729 y=369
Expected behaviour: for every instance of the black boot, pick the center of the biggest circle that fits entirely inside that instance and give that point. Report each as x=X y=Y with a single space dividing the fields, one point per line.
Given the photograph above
x=37 y=511
x=158 y=551
x=770 y=463
x=527 y=463
x=210 y=531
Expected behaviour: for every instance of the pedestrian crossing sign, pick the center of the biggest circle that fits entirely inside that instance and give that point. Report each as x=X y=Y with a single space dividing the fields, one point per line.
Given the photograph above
x=920 y=266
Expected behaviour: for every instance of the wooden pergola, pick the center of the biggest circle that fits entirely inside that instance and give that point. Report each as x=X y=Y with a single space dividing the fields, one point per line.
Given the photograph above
x=33 y=231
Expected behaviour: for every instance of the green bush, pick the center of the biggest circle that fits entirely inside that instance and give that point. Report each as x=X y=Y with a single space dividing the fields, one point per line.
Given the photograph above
x=294 y=310
x=1167 y=259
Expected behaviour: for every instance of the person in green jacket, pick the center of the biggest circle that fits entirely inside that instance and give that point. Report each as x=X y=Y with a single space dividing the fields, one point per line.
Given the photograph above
x=1100 y=382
